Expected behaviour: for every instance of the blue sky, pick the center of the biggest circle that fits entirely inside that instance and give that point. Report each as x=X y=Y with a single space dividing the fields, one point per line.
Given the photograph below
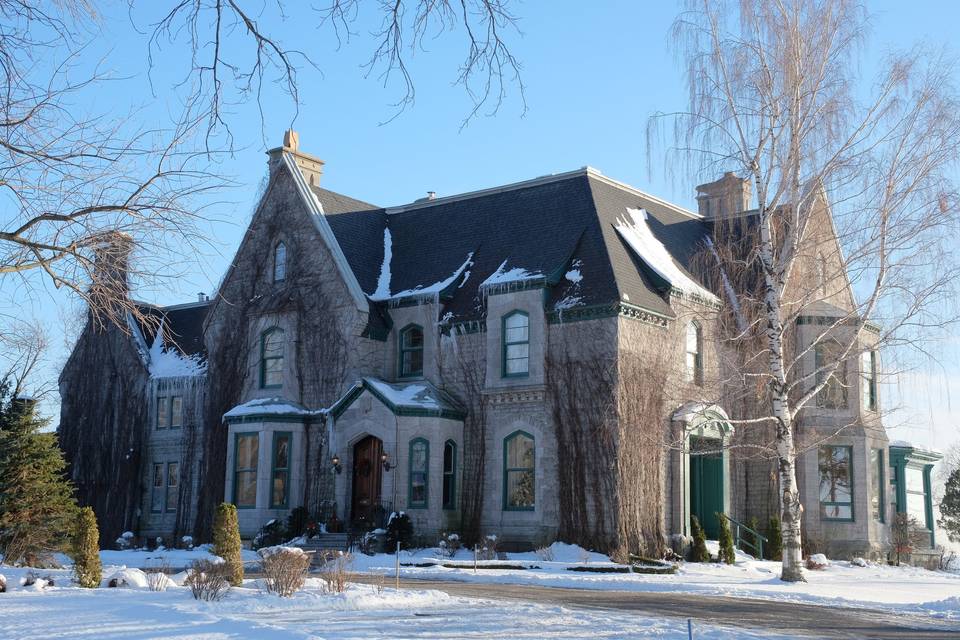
x=594 y=73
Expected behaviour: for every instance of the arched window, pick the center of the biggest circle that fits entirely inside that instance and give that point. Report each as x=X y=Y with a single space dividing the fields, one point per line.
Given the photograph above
x=694 y=358
x=411 y=351
x=280 y=262
x=519 y=472
x=271 y=358
x=833 y=395
x=419 y=476
x=449 y=474
x=516 y=344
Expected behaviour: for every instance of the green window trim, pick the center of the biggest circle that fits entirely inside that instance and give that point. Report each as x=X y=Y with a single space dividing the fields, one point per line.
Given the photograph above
x=419 y=504
x=881 y=485
x=450 y=476
x=505 y=345
x=407 y=353
x=839 y=503
x=237 y=470
x=274 y=469
x=173 y=473
x=869 y=387
x=264 y=359
x=279 y=262
x=507 y=470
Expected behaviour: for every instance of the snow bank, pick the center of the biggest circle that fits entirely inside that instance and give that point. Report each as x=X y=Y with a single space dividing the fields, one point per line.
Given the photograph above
x=637 y=234
x=127 y=579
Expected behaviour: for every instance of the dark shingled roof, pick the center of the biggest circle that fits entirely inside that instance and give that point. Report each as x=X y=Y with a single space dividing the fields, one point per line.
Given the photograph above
x=543 y=226
x=183 y=325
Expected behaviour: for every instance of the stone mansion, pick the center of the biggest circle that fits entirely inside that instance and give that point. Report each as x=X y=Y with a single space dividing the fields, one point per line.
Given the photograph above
x=538 y=360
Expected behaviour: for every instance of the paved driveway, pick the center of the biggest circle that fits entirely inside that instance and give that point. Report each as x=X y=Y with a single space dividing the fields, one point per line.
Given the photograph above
x=782 y=617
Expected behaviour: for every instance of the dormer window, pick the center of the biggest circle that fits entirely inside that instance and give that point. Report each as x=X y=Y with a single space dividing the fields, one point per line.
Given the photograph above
x=694 y=357
x=516 y=345
x=280 y=262
x=271 y=358
x=411 y=351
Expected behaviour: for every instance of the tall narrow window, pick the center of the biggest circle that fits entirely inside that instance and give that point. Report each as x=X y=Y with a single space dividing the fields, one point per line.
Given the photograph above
x=176 y=412
x=280 y=262
x=694 y=360
x=173 y=486
x=877 y=473
x=156 y=494
x=869 y=373
x=449 y=475
x=836 y=483
x=411 y=351
x=419 y=465
x=271 y=358
x=516 y=344
x=163 y=417
x=519 y=472
x=247 y=452
x=833 y=395
x=280 y=475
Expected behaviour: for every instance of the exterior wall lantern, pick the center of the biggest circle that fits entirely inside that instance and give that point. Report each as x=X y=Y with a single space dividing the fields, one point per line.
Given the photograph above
x=337 y=466
x=385 y=461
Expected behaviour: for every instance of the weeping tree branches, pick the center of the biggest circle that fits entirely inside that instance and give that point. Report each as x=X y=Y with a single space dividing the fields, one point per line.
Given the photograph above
x=855 y=208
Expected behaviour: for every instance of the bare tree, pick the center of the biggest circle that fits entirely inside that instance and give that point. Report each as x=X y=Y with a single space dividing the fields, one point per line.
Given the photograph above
x=855 y=205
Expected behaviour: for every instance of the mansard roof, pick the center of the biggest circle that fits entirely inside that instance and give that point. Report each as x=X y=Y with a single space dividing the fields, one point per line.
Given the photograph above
x=559 y=231
x=182 y=326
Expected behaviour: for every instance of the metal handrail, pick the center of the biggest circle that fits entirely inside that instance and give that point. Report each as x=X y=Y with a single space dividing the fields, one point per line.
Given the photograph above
x=739 y=541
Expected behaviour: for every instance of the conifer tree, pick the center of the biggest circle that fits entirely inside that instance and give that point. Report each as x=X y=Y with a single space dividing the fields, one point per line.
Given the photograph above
x=86 y=550
x=727 y=553
x=699 y=551
x=775 y=537
x=37 y=507
x=950 y=507
x=226 y=541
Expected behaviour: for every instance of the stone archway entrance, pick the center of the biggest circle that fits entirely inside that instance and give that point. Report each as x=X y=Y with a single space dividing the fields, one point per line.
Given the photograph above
x=367 y=482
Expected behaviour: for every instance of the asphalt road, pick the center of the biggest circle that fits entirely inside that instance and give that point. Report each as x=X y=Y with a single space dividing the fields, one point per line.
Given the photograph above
x=804 y=620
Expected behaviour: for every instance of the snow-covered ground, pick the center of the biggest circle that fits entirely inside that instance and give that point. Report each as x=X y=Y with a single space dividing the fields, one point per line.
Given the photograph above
x=159 y=558
x=66 y=611
x=897 y=589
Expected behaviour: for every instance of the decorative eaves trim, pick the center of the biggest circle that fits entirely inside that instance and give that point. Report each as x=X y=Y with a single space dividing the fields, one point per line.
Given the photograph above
x=316 y=211
x=360 y=386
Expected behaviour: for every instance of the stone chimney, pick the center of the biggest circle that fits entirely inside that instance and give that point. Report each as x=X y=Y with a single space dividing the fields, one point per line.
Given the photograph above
x=725 y=197
x=310 y=166
x=111 y=267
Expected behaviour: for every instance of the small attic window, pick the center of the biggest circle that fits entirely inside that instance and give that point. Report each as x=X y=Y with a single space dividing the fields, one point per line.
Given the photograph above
x=280 y=262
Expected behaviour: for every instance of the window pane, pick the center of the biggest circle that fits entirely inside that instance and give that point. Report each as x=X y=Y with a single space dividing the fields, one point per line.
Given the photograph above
x=917 y=507
x=914 y=480
x=273 y=344
x=412 y=363
x=418 y=488
x=247 y=489
x=520 y=452
x=248 y=448
x=516 y=326
x=520 y=489
x=836 y=491
x=278 y=497
x=876 y=484
x=173 y=484
x=162 y=418
x=273 y=372
x=418 y=457
x=176 y=411
x=693 y=338
x=280 y=262
x=412 y=338
x=156 y=496
x=281 y=452
x=448 y=454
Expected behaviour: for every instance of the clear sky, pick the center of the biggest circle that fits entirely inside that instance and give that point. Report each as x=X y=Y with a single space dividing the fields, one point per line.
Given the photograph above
x=594 y=73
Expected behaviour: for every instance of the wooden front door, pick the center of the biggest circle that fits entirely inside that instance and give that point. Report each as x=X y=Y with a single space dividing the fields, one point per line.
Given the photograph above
x=367 y=475
x=706 y=484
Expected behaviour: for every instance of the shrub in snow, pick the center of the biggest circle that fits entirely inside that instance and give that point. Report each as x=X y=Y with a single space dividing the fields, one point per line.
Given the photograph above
x=753 y=523
x=125 y=541
x=158 y=580
x=817 y=562
x=399 y=529
x=449 y=544
x=727 y=553
x=226 y=541
x=858 y=562
x=488 y=547
x=3 y=583
x=272 y=534
x=698 y=550
x=774 y=548
x=285 y=569
x=128 y=579
x=544 y=554
x=86 y=550
x=186 y=542
x=335 y=570
x=208 y=581
x=297 y=522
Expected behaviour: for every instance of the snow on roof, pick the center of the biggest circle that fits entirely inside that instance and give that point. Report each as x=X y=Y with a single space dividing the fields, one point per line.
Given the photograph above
x=170 y=362
x=383 y=282
x=637 y=234
x=269 y=406
x=516 y=274
x=413 y=394
x=383 y=290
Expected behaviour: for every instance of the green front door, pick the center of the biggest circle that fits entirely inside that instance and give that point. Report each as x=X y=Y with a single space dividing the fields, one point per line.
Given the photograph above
x=706 y=484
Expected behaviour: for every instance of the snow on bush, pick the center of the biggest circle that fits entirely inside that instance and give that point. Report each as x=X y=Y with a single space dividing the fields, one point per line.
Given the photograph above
x=449 y=544
x=125 y=541
x=32 y=580
x=209 y=581
x=285 y=569
x=858 y=562
x=817 y=562
x=187 y=542
x=128 y=579
x=3 y=583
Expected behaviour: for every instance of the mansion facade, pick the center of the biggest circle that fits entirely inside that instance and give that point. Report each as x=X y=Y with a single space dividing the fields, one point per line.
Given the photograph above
x=542 y=360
